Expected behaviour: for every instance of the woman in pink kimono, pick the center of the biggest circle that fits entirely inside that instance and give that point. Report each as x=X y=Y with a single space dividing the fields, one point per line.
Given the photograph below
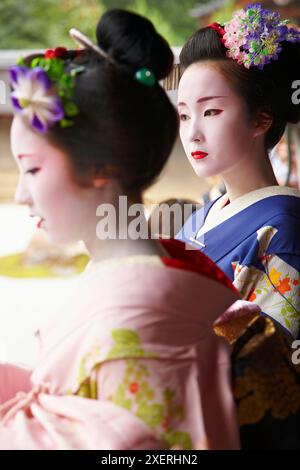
x=131 y=361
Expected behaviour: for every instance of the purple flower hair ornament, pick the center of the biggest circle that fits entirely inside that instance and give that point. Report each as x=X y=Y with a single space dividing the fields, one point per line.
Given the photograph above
x=42 y=92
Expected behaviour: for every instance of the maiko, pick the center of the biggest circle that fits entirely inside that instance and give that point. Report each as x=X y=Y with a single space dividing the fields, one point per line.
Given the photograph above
x=110 y=460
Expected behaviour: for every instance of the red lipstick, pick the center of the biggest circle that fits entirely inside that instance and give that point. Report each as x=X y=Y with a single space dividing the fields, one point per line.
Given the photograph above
x=198 y=155
x=40 y=222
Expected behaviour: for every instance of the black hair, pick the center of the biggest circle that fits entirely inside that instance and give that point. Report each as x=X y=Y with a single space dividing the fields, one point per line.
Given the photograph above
x=268 y=90
x=124 y=129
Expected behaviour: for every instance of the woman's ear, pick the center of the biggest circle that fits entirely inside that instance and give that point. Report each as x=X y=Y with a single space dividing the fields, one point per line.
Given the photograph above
x=101 y=177
x=99 y=182
x=263 y=123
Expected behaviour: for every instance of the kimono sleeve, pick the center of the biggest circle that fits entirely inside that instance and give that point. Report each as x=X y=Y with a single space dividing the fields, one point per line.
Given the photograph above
x=126 y=399
x=13 y=379
x=148 y=380
x=154 y=392
x=41 y=421
x=273 y=280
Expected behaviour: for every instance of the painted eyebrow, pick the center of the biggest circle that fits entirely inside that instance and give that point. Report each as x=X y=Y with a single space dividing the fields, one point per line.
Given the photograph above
x=200 y=100
x=24 y=155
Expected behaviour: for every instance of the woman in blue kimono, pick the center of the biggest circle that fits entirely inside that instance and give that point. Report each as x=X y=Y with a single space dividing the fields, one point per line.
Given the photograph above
x=237 y=92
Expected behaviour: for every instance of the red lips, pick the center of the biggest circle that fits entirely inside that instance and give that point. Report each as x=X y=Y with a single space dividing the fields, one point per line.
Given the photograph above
x=199 y=155
x=40 y=222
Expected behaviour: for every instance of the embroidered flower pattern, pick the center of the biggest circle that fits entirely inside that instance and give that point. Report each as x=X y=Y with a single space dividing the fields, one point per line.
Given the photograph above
x=275 y=289
x=135 y=392
x=162 y=414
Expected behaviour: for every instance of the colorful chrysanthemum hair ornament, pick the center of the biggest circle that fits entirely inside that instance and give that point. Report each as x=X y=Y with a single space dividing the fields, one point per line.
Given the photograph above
x=253 y=36
x=43 y=90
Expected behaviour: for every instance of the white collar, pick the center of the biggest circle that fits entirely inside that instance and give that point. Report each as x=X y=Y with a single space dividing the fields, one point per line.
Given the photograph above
x=220 y=212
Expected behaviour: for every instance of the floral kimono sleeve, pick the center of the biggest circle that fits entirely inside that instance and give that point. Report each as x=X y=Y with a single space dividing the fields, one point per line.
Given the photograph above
x=151 y=394
x=153 y=391
x=126 y=399
x=272 y=282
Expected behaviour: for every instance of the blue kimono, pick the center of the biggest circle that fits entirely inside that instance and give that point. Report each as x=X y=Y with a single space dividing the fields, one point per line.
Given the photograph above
x=255 y=240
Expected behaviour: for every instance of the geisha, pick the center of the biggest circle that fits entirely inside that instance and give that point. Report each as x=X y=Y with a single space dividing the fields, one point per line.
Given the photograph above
x=234 y=101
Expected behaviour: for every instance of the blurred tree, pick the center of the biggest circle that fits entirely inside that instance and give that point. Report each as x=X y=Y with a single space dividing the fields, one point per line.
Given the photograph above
x=44 y=23
x=74 y=13
x=224 y=13
x=22 y=24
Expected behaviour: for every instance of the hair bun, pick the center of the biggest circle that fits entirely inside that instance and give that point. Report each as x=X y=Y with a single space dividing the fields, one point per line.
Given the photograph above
x=283 y=73
x=133 y=41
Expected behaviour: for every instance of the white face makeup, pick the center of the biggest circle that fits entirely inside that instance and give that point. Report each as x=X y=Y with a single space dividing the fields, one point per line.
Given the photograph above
x=63 y=209
x=214 y=128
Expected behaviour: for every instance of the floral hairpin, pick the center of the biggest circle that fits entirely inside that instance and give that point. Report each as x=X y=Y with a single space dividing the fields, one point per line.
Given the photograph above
x=43 y=90
x=253 y=36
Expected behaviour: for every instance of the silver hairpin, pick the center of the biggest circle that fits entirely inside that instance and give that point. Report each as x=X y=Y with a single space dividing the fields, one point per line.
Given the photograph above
x=82 y=40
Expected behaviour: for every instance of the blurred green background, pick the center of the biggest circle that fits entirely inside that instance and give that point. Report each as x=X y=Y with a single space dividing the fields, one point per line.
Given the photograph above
x=31 y=24
x=39 y=24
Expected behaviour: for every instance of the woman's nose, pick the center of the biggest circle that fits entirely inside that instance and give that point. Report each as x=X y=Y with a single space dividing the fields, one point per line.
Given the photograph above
x=22 y=195
x=196 y=134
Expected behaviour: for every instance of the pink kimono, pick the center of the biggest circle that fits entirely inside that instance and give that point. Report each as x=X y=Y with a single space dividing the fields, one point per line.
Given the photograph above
x=131 y=362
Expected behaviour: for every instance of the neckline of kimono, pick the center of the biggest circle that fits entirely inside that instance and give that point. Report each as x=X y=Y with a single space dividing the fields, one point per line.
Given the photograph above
x=224 y=212
x=129 y=260
x=162 y=261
